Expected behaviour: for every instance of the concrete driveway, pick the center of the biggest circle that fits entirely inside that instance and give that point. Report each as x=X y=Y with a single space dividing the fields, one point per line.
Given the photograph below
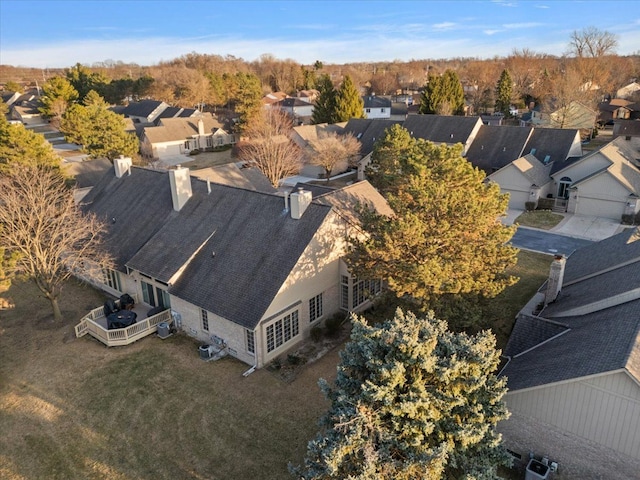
x=589 y=228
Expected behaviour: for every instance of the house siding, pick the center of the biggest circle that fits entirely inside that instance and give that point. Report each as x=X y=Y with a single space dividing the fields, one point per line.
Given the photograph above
x=316 y=271
x=511 y=181
x=604 y=409
x=602 y=196
x=232 y=333
x=583 y=168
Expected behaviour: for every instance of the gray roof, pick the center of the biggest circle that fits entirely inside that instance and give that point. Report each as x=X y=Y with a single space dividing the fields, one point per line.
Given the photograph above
x=626 y=128
x=235 y=175
x=497 y=146
x=256 y=243
x=564 y=345
x=534 y=170
x=368 y=131
x=88 y=173
x=441 y=128
x=554 y=143
x=371 y=101
x=143 y=108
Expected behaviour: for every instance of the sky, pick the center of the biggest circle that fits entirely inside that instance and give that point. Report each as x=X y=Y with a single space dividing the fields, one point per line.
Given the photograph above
x=54 y=34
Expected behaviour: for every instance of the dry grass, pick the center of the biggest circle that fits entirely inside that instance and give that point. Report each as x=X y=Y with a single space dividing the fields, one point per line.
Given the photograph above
x=543 y=219
x=209 y=159
x=73 y=409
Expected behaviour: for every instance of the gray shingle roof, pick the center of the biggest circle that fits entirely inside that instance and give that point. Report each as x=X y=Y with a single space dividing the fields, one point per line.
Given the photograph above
x=552 y=142
x=606 y=338
x=143 y=108
x=442 y=129
x=256 y=243
x=497 y=146
x=371 y=101
x=368 y=131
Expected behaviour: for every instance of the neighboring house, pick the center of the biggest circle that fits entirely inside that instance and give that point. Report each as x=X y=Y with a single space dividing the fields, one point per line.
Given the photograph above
x=576 y=115
x=444 y=129
x=26 y=109
x=174 y=137
x=604 y=183
x=254 y=272
x=144 y=111
x=86 y=174
x=301 y=135
x=298 y=109
x=573 y=360
x=628 y=90
x=9 y=98
x=309 y=96
x=626 y=128
x=615 y=109
x=273 y=97
x=496 y=146
x=376 y=107
x=367 y=132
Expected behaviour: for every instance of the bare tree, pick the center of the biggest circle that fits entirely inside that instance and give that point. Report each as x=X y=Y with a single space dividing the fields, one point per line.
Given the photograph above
x=592 y=43
x=44 y=228
x=268 y=146
x=333 y=152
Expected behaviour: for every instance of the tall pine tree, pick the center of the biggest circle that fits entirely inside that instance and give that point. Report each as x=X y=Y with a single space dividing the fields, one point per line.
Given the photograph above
x=411 y=400
x=503 y=93
x=443 y=95
x=325 y=106
x=349 y=104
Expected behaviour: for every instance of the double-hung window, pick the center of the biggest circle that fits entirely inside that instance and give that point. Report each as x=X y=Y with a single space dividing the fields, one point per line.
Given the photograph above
x=315 y=308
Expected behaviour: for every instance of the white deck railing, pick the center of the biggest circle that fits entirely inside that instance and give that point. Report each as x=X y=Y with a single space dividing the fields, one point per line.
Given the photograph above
x=119 y=336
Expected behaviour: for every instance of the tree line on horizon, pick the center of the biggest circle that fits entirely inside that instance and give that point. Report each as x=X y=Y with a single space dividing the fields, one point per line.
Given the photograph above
x=196 y=79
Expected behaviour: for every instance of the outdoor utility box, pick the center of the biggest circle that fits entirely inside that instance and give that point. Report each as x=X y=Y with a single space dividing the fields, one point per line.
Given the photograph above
x=205 y=352
x=536 y=470
x=163 y=330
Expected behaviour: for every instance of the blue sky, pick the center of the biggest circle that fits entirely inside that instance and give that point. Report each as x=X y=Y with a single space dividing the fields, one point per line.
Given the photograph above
x=51 y=33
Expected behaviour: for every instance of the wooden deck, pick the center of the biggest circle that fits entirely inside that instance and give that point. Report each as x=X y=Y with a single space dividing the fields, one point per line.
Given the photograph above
x=95 y=324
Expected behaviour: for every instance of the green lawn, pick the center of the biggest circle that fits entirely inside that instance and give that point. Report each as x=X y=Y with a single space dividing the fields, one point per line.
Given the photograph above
x=74 y=409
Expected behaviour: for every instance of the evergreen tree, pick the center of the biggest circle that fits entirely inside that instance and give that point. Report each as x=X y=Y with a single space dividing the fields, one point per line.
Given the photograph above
x=411 y=400
x=503 y=93
x=84 y=80
x=443 y=95
x=349 y=104
x=325 y=106
x=444 y=236
x=21 y=146
x=99 y=131
x=248 y=98
x=57 y=95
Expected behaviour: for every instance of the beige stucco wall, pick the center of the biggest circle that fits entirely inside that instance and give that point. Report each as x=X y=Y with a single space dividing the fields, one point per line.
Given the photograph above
x=604 y=409
x=602 y=196
x=582 y=169
x=167 y=149
x=513 y=182
x=316 y=271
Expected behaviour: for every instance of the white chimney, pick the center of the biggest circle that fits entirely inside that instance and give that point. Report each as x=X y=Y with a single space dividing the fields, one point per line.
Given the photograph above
x=180 y=186
x=122 y=165
x=200 y=127
x=556 y=277
x=300 y=200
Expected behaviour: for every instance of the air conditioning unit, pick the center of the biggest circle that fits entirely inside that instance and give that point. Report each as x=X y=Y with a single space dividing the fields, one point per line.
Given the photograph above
x=207 y=352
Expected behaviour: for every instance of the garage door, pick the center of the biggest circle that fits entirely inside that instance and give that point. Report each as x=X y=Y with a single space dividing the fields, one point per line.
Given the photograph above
x=517 y=198
x=600 y=208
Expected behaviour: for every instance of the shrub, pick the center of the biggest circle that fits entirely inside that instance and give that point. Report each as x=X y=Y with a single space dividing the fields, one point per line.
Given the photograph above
x=546 y=203
x=629 y=219
x=195 y=151
x=529 y=206
x=316 y=333
x=334 y=323
x=293 y=359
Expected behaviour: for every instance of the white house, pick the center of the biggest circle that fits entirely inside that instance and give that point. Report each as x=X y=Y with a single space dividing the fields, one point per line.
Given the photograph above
x=376 y=107
x=252 y=271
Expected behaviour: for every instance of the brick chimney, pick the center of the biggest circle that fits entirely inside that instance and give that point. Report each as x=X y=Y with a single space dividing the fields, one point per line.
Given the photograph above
x=556 y=277
x=122 y=165
x=300 y=200
x=180 y=186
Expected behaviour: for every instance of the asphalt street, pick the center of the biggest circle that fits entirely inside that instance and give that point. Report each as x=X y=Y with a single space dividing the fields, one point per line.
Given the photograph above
x=546 y=242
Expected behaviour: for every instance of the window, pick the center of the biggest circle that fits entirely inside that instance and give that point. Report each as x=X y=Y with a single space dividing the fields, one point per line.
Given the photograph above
x=315 y=308
x=251 y=341
x=364 y=290
x=205 y=319
x=112 y=278
x=382 y=110
x=563 y=187
x=368 y=110
x=147 y=293
x=344 y=292
x=282 y=330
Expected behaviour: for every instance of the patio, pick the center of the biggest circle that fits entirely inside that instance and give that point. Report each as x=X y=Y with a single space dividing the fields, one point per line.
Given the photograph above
x=95 y=324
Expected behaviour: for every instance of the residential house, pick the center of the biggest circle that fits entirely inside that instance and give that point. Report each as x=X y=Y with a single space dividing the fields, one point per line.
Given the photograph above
x=444 y=129
x=523 y=179
x=300 y=110
x=309 y=96
x=376 y=107
x=144 y=111
x=273 y=97
x=250 y=271
x=302 y=135
x=573 y=362
x=174 y=138
x=614 y=109
x=576 y=115
x=367 y=132
x=626 y=128
x=628 y=90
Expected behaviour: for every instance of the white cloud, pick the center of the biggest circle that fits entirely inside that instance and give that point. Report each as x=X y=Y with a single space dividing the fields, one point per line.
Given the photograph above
x=542 y=6
x=444 y=26
x=491 y=32
x=518 y=26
